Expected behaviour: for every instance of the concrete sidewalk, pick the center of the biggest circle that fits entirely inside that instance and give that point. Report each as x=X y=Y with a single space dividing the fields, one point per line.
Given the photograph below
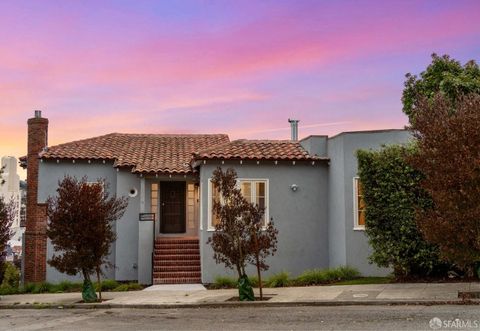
x=405 y=293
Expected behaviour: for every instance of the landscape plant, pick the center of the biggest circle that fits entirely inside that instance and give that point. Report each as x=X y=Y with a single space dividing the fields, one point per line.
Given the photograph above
x=81 y=218
x=240 y=236
x=448 y=156
x=392 y=194
x=445 y=76
x=8 y=211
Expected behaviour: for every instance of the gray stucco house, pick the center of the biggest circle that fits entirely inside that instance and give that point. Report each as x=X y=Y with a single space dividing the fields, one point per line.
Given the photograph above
x=309 y=189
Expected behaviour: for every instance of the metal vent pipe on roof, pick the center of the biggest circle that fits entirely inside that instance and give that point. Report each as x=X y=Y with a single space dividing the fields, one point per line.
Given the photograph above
x=38 y=114
x=294 y=128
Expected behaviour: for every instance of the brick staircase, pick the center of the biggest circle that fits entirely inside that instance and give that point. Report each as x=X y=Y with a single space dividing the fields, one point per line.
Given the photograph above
x=176 y=261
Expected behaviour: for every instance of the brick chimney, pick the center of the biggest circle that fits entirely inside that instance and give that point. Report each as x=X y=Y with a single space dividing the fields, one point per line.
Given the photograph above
x=35 y=232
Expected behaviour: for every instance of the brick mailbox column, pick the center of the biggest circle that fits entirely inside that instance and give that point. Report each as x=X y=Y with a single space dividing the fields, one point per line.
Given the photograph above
x=36 y=224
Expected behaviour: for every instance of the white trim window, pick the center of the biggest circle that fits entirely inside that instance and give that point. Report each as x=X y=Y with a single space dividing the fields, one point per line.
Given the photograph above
x=254 y=190
x=358 y=205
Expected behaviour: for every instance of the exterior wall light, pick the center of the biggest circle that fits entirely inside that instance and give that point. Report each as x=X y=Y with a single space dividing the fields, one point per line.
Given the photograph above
x=294 y=187
x=133 y=192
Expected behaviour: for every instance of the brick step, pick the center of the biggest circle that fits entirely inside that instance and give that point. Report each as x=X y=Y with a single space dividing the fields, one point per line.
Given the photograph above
x=195 y=280
x=177 y=246
x=177 y=268
x=177 y=274
x=162 y=252
x=166 y=263
x=176 y=241
x=177 y=257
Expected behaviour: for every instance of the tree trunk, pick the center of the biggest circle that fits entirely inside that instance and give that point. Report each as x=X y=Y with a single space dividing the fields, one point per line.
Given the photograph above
x=99 y=281
x=260 y=286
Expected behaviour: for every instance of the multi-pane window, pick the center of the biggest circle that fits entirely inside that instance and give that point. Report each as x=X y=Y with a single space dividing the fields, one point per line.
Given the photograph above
x=215 y=198
x=191 y=205
x=254 y=191
x=154 y=199
x=359 y=204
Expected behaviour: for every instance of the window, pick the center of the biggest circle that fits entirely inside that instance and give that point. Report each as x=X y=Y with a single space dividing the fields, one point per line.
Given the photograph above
x=358 y=205
x=190 y=205
x=154 y=198
x=213 y=218
x=255 y=191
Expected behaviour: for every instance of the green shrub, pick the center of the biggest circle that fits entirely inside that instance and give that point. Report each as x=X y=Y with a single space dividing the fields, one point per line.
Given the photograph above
x=43 y=287
x=312 y=277
x=67 y=286
x=6 y=290
x=28 y=287
x=11 y=276
x=225 y=282
x=108 y=285
x=134 y=287
x=392 y=193
x=121 y=288
x=254 y=281
x=325 y=276
x=278 y=280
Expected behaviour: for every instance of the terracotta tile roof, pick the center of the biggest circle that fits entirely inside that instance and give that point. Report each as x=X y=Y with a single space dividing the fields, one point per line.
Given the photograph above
x=144 y=153
x=257 y=150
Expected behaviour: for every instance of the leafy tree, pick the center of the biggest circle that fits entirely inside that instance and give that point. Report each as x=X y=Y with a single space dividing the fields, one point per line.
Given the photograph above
x=449 y=158
x=392 y=192
x=7 y=215
x=80 y=227
x=444 y=75
x=240 y=237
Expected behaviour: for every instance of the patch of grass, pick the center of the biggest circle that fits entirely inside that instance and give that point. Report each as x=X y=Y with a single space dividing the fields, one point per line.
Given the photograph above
x=224 y=282
x=134 y=287
x=278 y=280
x=365 y=281
x=7 y=290
x=108 y=285
x=43 y=287
x=121 y=288
x=326 y=276
x=67 y=286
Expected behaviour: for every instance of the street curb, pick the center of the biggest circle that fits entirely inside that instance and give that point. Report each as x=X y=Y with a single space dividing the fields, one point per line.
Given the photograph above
x=243 y=304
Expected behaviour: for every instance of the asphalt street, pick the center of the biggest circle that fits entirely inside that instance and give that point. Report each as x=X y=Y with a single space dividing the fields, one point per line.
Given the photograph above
x=456 y=317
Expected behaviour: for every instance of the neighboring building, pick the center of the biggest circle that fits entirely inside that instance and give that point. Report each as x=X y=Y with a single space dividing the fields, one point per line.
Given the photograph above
x=308 y=187
x=11 y=189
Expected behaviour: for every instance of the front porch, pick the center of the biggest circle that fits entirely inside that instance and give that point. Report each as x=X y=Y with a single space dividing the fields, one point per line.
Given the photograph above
x=173 y=205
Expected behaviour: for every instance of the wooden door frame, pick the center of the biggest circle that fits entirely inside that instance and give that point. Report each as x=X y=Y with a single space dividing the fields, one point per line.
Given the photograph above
x=161 y=210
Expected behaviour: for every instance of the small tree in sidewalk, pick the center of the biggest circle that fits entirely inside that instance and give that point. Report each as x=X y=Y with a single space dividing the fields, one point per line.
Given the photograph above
x=81 y=219
x=240 y=237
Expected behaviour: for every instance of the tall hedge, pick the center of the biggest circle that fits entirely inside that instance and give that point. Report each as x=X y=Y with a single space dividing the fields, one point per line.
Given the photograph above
x=392 y=192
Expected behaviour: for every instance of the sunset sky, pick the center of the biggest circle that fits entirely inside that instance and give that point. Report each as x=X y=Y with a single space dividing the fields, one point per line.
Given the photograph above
x=236 y=67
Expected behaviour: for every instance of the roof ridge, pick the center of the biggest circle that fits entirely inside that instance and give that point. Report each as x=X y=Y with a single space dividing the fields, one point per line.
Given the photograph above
x=279 y=141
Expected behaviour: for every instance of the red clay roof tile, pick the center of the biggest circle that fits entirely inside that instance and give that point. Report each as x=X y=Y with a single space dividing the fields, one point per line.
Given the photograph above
x=257 y=150
x=143 y=153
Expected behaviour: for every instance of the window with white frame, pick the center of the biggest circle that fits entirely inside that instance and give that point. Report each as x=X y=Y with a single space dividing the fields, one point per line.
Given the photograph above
x=254 y=190
x=358 y=205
